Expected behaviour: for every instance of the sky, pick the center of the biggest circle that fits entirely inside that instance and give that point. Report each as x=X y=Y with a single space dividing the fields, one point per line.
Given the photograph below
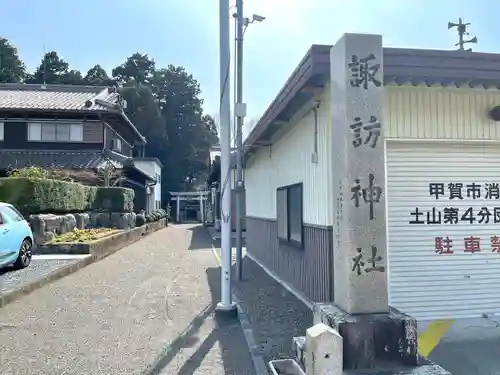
x=186 y=33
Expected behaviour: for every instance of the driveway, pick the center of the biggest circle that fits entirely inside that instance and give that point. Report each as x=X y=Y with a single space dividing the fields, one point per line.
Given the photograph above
x=470 y=347
x=147 y=309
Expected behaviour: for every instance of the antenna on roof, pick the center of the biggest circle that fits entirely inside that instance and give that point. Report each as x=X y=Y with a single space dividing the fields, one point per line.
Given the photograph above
x=44 y=84
x=462 y=30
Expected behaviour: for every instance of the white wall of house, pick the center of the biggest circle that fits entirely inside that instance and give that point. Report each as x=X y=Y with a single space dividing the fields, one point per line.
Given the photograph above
x=154 y=169
x=289 y=161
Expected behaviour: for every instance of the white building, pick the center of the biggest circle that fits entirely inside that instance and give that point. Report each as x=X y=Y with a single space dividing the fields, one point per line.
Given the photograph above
x=153 y=167
x=442 y=138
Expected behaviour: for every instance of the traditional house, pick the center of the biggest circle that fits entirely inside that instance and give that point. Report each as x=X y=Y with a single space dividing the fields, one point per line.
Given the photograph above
x=79 y=128
x=441 y=113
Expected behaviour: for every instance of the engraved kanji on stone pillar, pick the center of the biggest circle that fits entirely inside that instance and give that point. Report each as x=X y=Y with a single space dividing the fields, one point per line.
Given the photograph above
x=360 y=256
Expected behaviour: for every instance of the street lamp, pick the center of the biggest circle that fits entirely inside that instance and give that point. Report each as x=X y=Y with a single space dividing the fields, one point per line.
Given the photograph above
x=240 y=113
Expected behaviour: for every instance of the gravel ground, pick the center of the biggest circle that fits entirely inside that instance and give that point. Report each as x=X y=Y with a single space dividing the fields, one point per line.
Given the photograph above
x=148 y=309
x=275 y=314
x=10 y=279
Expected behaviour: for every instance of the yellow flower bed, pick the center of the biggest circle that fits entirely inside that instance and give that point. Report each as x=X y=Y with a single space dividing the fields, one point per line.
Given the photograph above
x=84 y=235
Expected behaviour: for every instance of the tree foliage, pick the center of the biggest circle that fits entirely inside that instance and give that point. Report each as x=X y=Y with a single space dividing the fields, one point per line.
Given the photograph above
x=163 y=103
x=12 y=69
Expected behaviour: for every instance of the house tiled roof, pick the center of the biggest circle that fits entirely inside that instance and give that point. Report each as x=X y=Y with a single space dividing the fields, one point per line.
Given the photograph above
x=66 y=159
x=55 y=97
x=47 y=159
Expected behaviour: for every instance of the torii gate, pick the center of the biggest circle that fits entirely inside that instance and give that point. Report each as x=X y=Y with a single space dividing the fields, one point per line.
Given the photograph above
x=190 y=195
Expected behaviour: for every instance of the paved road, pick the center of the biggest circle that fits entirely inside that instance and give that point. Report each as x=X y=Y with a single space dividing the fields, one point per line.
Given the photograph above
x=470 y=347
x=147 y=309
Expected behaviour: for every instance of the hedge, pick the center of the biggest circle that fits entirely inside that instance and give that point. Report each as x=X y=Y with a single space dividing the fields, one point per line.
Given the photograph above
x=113 y=199
x=33 y=195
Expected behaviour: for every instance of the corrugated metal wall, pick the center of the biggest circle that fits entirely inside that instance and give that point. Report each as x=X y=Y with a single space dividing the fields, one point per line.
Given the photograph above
x=440 y=113
x=308 y=270
x=425 y=280
x=288 y=161
x=435 y=134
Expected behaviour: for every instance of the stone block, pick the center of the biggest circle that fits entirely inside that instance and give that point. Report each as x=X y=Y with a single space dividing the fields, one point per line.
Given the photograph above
x=324 y=351
x=82 y=220
x=299 y=349
x=100 y=220
x=122 y=220
x=371 y=338
x=67 y=223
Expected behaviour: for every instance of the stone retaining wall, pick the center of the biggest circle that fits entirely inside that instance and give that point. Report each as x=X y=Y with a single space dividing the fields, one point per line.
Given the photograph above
x=102 y=245
x=46 y=226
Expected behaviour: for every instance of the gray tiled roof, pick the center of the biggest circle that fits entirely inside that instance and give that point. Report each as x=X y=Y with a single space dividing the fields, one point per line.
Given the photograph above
x=66 y=159
x=55 y=97
x=47 y=159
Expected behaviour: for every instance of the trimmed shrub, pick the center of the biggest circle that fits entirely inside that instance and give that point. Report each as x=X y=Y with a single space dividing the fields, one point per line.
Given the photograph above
x=158 y=214
x=140 y=220
x=113 y=199
x=40 y=195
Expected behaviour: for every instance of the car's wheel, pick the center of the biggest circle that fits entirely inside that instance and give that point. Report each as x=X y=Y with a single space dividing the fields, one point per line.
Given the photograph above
x=25 y=253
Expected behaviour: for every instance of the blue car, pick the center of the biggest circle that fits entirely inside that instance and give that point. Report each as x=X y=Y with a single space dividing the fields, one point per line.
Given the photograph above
x=16 y=238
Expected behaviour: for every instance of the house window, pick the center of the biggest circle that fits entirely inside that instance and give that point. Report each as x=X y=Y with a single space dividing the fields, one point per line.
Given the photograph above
x=118 y=144
x=1 y=131
x=158 y=179
x=289 y=214
x=47 y=132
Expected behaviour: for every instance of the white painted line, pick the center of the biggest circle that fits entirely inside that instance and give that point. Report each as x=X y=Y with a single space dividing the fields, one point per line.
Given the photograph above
x=59 y=256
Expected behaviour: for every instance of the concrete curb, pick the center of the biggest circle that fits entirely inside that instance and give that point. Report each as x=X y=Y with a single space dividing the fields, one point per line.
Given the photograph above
x=258 y=361
x=27 y=288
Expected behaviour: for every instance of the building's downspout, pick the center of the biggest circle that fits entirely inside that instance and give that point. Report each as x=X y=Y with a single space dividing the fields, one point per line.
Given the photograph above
x=314 y=156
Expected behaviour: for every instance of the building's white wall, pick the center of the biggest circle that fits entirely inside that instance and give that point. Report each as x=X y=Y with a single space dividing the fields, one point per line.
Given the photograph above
x=152 y=168
x=440 y=113
x=409 y=113
x=157 y=171
x=146 y=166
x=288 y=161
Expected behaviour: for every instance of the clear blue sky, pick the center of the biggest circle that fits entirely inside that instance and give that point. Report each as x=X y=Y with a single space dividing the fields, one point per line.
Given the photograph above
x=185 y=32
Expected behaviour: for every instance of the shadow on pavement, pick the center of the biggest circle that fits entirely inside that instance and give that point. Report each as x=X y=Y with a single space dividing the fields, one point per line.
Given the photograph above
x=200 y=239
x=226 y=337
x=227 y=333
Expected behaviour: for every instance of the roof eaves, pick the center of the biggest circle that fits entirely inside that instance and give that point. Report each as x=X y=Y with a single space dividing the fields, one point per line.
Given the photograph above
x=405 y=67
x=266 y=117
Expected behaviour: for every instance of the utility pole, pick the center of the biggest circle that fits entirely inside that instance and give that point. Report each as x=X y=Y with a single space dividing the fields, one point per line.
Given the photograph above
x=462 y=30
x=240 y=112
x=226 y=304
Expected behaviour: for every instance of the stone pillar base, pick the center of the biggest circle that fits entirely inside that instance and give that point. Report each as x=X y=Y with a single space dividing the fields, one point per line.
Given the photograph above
x=372 y=339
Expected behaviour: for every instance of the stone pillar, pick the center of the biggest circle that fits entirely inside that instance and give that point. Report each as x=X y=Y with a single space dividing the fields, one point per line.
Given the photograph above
x=360 y=280
x=178 y=208
x=371 y=331
x=202 y=208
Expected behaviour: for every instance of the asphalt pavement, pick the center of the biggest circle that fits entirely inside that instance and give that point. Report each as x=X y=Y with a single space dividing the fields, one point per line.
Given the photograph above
x=147 y=309
x=470 y=347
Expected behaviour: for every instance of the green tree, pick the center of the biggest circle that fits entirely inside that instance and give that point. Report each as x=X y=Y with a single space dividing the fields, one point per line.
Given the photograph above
x=12 y=69
x=142 y=109
x=137 y=67
x=54 y=70
x=190 y=132
x=165 y=106
x=97 y=76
